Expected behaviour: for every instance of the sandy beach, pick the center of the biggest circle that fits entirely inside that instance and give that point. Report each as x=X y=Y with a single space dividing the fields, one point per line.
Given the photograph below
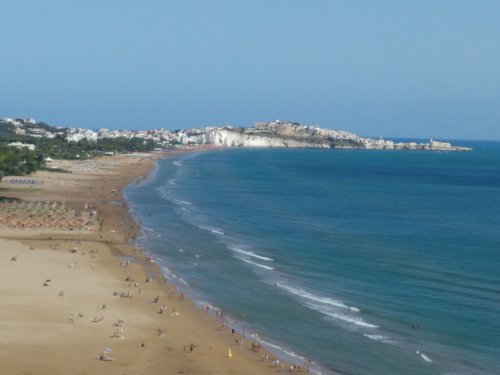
x=79 y=298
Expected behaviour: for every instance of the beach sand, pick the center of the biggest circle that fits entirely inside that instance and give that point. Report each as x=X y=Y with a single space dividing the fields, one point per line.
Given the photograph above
x=69 y=296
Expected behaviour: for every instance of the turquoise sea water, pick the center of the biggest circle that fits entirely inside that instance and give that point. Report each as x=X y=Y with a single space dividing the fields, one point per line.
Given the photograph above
x=364 y=262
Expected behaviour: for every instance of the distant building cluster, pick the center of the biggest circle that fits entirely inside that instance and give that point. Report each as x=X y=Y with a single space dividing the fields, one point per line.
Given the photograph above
x=310 y=131
x=160 y=136
x=263 y=134
x=383 y=144
x=27 y=127
x=32 y=128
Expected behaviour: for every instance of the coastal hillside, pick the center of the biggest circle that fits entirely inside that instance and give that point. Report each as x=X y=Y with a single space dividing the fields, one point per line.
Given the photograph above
x=276 y=134
x=292 y=134
x=28 y=133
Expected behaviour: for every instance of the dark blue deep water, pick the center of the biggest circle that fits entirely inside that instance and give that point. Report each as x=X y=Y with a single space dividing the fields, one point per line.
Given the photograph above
x=364 y=262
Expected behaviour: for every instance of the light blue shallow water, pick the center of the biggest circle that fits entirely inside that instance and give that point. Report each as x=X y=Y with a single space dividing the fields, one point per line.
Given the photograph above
x=334 y=254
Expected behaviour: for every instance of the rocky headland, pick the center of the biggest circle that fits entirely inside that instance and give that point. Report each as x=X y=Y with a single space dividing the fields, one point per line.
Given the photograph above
x=290 y=134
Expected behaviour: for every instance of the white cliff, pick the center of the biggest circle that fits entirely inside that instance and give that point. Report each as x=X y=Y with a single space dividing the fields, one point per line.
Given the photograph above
x=291 y=134
x=226 y=137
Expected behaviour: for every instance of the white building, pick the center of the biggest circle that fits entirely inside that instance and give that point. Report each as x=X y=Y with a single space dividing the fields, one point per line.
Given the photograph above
x=29 y=146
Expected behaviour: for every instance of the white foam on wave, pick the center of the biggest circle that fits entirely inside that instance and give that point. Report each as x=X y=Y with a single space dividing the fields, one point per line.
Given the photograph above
x=381 y=338
x=257 y=264
x=178 y=202
x=211 y=229
x=177 y=163
x=164 y=192
x=328 y=311
x=167 y=271
x=375 y=337
x=280 y=349
x=312 y=297
x=424 y=356
x=251 y=254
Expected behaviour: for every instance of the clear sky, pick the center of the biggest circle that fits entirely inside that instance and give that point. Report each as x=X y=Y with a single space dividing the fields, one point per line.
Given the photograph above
x=377 y=68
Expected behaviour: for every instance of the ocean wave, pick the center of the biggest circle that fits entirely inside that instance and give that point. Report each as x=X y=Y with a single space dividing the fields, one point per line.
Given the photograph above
x=251 y=254
x=257 y=264
x=168 y=272
x=280 y=349
x=375 y=337
x=168 y=195
x=290 y=356
x=312 y=297
x=212 y=229
x=424 y=356
x=177 y=163
x=355 y=320
x=381 y=338
x=163 y=191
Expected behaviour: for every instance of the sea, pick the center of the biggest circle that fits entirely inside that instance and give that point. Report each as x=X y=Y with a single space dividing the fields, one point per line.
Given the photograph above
x=353 y=261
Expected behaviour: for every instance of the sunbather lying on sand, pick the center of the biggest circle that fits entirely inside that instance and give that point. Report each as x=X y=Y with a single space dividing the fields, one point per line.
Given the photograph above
x=104 y=357
x=96 y=319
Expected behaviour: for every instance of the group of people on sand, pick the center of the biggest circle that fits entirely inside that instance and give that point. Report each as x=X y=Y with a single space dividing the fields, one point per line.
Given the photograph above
x=255 y=346
x=302 y=367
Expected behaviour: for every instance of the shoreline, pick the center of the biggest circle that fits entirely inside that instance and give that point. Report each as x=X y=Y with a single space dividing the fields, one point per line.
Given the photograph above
x=269 y=348
x=272 y=348
x=187 y=329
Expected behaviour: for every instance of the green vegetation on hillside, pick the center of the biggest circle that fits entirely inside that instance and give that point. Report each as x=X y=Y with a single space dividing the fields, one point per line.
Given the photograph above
x=14 y=161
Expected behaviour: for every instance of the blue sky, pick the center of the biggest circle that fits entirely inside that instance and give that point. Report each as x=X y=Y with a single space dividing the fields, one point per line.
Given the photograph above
x=377 y=68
